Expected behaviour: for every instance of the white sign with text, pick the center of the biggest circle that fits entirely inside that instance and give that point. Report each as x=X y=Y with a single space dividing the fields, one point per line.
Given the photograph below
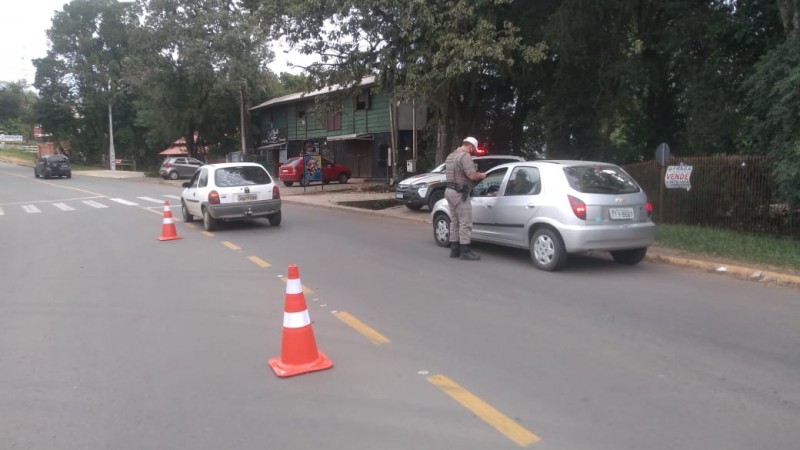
x=678 y=177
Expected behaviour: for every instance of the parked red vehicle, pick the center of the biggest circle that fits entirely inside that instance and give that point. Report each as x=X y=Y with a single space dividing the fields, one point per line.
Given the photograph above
x=293 y=172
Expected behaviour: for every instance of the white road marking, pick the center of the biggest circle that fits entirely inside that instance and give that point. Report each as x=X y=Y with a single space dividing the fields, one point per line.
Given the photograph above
x=31 y=209
x=63 y=207
x=123 y=201
x=95 y=204
x=1 y=212
x=176 y=197
x=151 y=199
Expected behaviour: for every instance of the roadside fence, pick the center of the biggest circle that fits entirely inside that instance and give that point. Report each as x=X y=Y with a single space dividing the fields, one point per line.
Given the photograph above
x=729 y=192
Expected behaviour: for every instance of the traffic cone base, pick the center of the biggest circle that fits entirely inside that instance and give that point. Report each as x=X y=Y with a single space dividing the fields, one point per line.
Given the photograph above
x=299 y=353
x=168 y=232
x=284 y=370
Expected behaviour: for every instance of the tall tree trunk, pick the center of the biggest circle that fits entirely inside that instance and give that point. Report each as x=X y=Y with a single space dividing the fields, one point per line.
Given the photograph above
x=790 y=16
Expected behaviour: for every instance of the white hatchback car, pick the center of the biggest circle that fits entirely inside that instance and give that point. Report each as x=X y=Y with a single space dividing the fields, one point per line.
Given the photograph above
x=554 y=208
x=231 y=191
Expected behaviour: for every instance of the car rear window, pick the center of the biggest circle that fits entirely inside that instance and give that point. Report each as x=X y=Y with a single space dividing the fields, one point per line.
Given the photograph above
x=600 y=179
x=241 y=176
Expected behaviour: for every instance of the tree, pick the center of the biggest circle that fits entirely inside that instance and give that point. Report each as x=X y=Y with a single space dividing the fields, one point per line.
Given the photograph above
x=196 y=63
x=17 y=106
x=80 y=76
x=434 y=51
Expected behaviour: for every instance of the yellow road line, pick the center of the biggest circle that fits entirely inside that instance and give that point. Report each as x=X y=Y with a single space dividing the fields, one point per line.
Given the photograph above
x=190 y=225
x=367 y=331
x=259 y=262
x=493 y=417
x=230 y=245
x=208 y=233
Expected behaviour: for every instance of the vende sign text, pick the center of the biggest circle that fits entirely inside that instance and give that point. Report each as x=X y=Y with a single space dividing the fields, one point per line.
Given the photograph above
x=678 y=177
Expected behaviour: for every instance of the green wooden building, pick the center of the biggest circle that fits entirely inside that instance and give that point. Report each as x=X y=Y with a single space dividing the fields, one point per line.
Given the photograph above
x=359 y=133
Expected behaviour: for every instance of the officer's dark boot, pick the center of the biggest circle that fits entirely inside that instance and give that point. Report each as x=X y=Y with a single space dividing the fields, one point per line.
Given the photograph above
x=454 y=250
x=467 y=255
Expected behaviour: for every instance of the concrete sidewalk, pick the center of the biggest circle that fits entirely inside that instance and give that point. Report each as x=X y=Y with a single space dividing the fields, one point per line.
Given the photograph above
x=336 y=196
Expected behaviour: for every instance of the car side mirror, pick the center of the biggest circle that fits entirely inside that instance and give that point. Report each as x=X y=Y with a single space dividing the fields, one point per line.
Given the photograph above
x=186 y=184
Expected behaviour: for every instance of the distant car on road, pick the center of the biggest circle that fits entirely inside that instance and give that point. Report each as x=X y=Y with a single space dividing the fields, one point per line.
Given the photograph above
x=52 y=166
x=231 y=191
x=428 y=188
x=176 y=167
x=293 y=171
x=554 y=208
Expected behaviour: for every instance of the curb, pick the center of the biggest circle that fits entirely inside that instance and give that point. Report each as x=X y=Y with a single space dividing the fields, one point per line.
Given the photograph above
x=741 y=272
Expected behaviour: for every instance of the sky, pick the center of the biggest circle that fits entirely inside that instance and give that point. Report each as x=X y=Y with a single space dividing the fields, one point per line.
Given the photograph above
x=23 y=38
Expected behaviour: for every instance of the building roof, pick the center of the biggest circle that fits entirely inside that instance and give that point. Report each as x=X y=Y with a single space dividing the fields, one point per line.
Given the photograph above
x=292 y=98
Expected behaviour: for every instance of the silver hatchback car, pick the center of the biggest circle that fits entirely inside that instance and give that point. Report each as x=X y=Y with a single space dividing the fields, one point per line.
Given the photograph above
x=554 y=208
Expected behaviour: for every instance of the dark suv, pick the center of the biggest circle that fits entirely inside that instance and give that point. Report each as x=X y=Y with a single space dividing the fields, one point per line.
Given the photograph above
x=428 y=188
x=179 y=167
x=52 y=166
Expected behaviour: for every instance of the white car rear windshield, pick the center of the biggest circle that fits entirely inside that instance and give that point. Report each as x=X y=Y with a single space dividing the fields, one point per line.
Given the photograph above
x=600 y=179
x=241 y=176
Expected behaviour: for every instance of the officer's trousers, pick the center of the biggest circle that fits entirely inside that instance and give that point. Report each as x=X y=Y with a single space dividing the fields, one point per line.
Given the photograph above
x=460 y=217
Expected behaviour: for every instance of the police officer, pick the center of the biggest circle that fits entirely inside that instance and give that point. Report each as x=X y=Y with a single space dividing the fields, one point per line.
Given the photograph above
x=460 y=174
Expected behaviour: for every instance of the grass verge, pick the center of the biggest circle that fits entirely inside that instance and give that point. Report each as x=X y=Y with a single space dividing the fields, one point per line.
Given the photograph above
x=778 y=252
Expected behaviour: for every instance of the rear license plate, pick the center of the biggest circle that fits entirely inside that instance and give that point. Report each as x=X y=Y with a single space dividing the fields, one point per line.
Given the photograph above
x=247 y=197
x=621 y=213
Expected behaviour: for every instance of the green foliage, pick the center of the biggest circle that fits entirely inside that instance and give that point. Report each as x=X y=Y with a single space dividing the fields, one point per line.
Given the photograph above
x=774 y=106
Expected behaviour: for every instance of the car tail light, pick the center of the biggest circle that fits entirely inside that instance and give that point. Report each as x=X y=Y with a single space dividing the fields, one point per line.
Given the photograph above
x=213 y=198
x=276 y=193
x=578 y=207
x=649 y=210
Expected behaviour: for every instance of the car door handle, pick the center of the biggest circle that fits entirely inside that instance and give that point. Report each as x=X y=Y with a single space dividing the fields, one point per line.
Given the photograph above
x=530 y=205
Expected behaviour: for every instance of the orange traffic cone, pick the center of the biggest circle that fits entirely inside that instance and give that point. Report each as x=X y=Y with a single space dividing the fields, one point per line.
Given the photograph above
x=299 y=352
x=168 y=232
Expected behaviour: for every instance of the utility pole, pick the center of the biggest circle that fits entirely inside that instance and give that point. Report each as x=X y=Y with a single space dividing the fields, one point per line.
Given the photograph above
x=111 y=155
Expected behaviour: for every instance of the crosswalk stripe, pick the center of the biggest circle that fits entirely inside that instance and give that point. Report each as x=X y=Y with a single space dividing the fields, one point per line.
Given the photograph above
x=123 y=201
x=151 y=199
x=31 y=209
x=63 y=207
x=176 y=197
x=1 y=212
x=94 y=204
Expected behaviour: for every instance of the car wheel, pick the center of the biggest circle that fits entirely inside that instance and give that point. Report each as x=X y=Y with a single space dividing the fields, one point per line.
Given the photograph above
x=629 y=257
x=69 y=175
x=35 y=173
x=209 y=223
x=185 y=213
x=547 y=250
x=275 y=219
x=46 y=174
x=441 y=230
x=435 y=197
x=413 y=206
x=173 y=175
x=304 y=181
x=343 y=178
x=288 y=183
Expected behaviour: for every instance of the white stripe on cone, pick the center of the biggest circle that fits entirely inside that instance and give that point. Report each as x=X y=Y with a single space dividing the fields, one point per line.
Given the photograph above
x=296 y=319
x=293 y=286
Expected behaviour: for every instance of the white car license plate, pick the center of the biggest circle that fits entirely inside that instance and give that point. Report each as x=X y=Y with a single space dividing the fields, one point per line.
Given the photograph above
x=621 y=213
x=399 y=195
x=247 y=197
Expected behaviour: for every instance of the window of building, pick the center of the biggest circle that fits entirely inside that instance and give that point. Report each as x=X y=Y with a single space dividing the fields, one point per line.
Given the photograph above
x=362 y=102
x=334 y=121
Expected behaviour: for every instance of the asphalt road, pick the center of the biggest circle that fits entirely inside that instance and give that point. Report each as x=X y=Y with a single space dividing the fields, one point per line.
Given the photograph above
x=110 y=338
